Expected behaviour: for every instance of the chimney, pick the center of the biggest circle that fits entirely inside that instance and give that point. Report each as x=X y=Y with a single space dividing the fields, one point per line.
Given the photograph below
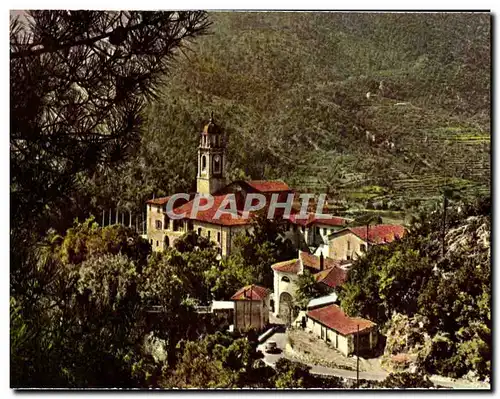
x=321 y=262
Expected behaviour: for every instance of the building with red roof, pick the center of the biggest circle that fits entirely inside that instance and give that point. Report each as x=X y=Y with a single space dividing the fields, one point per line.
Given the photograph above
x=197 y=214
x=329 y=272
x=251 y=308
x=331 y=324
x=352 y=242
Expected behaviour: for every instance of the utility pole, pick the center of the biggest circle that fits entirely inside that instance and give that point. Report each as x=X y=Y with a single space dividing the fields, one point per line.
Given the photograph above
x=367 y=240
x=445 y=205
x=103 y=211
x=251 y=306
x=357 y=358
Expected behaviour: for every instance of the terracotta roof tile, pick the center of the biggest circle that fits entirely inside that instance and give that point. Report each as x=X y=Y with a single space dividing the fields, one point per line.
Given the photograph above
x=332 y=277
x=158 y=201
x=208 y=215
x=288 y=266
x=268 y=186
x=379 y=234
x=251 y=292
x=313 y=261
x=333 y=317
x=313 y=219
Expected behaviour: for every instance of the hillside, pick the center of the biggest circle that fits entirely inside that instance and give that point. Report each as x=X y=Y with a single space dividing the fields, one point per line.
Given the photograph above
x=297 y=92
x=434 y=306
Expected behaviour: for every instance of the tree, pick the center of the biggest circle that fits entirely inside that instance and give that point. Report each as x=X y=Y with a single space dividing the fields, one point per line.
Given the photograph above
x=291 y=374
x=217 y=361
x=307 y=288
x=262 y=247
x=79 y=82
x=451 y=292
x=406 y=380
x=228 y=276
x=88 y=330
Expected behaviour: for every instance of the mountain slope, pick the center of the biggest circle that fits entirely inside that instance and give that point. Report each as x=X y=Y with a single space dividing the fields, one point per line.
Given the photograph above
x=297 y=93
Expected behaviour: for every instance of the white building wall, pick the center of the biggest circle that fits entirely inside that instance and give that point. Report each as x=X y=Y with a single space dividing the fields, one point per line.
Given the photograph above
x=281 y=286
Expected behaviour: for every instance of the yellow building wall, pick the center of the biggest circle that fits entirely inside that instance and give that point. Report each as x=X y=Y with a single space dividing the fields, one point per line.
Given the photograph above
x=340 y=342
x=339 y=249
x=251 y=314
x=156 y=237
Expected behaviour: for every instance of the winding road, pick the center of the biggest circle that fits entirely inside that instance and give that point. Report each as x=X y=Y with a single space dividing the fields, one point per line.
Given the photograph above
x=280 y=338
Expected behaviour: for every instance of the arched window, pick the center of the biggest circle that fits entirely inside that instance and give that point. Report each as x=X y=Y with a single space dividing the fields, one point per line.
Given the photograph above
x=285 y=279
x=158 y=224
x=217 y=164
x=203 y=162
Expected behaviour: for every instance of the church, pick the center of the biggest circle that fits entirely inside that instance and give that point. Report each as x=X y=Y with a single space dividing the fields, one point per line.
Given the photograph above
x=163 y=231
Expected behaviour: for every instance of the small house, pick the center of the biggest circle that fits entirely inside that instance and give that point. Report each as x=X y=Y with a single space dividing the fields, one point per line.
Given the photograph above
x=251 y=308
x=331 y=324
x=328 y=272
x=351 y=243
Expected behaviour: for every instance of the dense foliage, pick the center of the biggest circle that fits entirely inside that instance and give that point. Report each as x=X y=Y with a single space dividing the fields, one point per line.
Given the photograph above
x=251 y=257
x=291 y=92
x=449 y=296
x=92 y=307
x=308 y=288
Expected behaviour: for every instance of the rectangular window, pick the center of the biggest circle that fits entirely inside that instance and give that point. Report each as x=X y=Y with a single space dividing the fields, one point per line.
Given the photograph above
x=324 y=232
x=158 y=209
x=218 y=236
x=158 y=224
x=177 y=225
x=208 y=236
x=348 y=245
x=362 y=248
x=157 y=244
x=199 y=231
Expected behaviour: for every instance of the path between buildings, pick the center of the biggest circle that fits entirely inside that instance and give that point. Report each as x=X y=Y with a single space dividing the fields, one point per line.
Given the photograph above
x=281 y=341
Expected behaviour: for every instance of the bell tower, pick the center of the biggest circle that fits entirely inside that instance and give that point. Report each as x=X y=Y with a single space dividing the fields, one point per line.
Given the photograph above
x=211 y=175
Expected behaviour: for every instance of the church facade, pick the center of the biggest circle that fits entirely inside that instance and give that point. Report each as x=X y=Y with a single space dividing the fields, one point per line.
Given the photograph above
x=163 y=231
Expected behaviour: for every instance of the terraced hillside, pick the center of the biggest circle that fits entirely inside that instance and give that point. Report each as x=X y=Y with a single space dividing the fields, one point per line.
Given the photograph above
x=372 y=108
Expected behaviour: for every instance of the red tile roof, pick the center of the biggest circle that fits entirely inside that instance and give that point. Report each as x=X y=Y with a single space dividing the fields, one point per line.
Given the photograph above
x=378 y=234
x=308 y=260
x=332 y=277
x=313 y=219
x=313 y=261
x=268 y=186
x=333 y=221
x=251 y=292
x=158 y=201
x=333 y=317
x=288 y=266
x=208 y=215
